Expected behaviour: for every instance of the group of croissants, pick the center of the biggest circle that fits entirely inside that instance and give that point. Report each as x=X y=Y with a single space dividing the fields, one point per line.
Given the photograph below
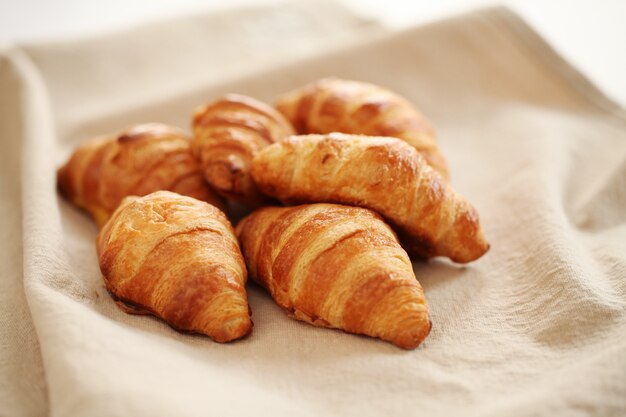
x=343 y=181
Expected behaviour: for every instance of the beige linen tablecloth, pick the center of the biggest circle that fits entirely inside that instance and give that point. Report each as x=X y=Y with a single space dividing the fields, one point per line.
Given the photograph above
x=536 y=327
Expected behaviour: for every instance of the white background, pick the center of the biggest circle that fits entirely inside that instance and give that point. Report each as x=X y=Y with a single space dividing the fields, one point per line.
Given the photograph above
x=590 y=34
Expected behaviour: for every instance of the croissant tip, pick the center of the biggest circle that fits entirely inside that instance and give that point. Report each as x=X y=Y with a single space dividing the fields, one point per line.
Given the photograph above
x=235 y=329
x=416 y=337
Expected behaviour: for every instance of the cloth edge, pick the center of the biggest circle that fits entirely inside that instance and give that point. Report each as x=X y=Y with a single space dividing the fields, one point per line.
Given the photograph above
x=590 y=93
x=554 y=60
x=127 y=29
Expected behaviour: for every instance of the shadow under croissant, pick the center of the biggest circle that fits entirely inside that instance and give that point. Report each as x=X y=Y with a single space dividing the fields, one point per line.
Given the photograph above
x=321 y=325
x=318 y=335
x=438 y=271
x=132 y=307
x=77 y=218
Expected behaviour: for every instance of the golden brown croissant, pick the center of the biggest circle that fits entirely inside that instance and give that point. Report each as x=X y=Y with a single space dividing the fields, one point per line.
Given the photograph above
x=177 y=258
x=382 y=174
x=336 y=266
x=138 y=161
x=227 y=134
x=336 y=105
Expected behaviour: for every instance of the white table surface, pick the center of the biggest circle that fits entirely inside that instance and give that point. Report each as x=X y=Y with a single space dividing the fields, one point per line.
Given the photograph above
x=590 y=34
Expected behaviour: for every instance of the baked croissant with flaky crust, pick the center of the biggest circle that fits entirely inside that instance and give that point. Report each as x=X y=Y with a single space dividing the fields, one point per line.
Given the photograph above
x=336 y=105
x=383 y=174
x=336 y=266
x=140 y=160
x=177 y=258
x=227 y=134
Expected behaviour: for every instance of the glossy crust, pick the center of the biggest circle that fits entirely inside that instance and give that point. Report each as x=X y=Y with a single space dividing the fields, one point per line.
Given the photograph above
x=335 y=105
x=336 y=266
x=382 y=174
x=178 y=259
x=140 y=160
x=227 y=134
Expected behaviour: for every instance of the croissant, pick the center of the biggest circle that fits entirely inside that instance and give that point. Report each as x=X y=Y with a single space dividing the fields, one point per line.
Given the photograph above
x=177 y=258
x=336 y=105
x=140 y=160
x=227 y=134
x=336 y=266
x=382 y=174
